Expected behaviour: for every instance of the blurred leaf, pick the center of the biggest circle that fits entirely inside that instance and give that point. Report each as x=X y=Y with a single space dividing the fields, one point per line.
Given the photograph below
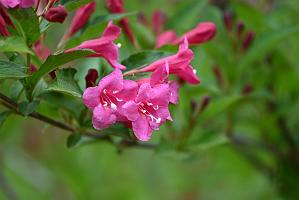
x=11 y=70
x=143 y=58
x=44 y=25
x=73 y=140
x=15 y=90
x=75 y=4
x=266 y=42
x=207 y=140
x=14 y=44
x=66 y=83
x=27 y=24
x=187 y=16
x=219 y=105
x=109 y=17
x=53 y=62
x=27 y=108
x=144 y=35
x=3 y=117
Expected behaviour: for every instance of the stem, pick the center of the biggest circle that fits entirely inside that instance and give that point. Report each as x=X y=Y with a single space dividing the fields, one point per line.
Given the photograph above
x=28 y=62
x=9 y=103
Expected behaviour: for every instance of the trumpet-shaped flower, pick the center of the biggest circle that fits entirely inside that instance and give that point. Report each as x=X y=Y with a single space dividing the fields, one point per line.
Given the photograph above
x=104 y=46
x=179 y=64
x=106 y=98
x=15 y=3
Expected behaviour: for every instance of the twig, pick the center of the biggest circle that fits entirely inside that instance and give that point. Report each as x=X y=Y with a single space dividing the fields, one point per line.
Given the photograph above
x=9 y=103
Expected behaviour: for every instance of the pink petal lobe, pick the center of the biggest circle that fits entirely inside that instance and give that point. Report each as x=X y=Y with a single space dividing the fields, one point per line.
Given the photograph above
x=113 y=81
x=143 y=93
x=142 y=129
x=189 y=75
x=91 y=97
x=167 y=37
x=174 y=92
x=102 y=117
x=26 y=3
x=129 y=90
x=160 y=95
x=130 y=110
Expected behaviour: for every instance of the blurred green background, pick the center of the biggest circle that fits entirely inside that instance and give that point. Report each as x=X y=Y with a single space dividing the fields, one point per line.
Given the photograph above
x=36 y=164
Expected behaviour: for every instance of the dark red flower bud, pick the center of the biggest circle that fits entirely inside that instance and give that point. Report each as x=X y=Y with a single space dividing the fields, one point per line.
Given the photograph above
x=218 y=75
x=32 y=69
x=6 y=17
x=204 y=103
x=249 y=37
x=158 y=21
x=240 y=28
x=3 y=30
x=57 y=14
x=53 y=74
x=142 y=19
x=247 y=89
x=228 y=20
x=91 y=78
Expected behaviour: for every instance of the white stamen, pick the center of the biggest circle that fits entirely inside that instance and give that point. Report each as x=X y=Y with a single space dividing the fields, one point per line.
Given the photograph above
x=171 y=94
x=105 y=103
x=114 y=92
x=113 y=106
x=156 y=107
x=119 y=100
x=119 y=45
x=105 y=91
x=194 y=71
x=158 y=120
x=143 y=111
x=149 y=104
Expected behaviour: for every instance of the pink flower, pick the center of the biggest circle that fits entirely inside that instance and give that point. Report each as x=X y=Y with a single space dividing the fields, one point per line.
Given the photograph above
x=179 y=64
x=167 y=37
x=203 y=32
x=149 y=110
x=80 y=18
x=104 y=46
x=15 y=3
x=117 y=6
x=106 y=99
x=3 y=30
x=57 y=14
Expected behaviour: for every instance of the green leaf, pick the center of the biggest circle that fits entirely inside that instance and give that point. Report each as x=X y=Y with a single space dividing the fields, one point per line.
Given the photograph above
x=10 y=70
x=53 y=62
x=14 y=44
x=75 y=4
x=27 y=24
x=143 y=58
x=266 y=42
x=73 y=140
x=3 y=117
x=105 y=18
x=66 y=83
x=219 y=105
x=26 y=108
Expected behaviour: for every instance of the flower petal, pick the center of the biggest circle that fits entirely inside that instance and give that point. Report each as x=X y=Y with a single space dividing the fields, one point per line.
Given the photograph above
x=102 y=117
x=129 y=91
x=91 y=97
x=143 y=93
x=113 y=81
x=160 y=75
x=160 y=95
x=130 y=110
x=142 y=129
x=174 y=92
x=189 y=75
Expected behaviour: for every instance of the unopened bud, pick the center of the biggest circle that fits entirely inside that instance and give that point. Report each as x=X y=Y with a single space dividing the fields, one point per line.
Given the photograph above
x=57 y=14
x=204 y=103
x=247 y=89
x=142 y=19
x=240 y=28
x=228 y=19
x=91 y=78
x=53 y=74
x=249 y=37
x=32 y=69
x=218 y=76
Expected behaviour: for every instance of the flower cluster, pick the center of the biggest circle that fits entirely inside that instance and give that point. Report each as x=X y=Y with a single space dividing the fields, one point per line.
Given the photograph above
x=141 y=104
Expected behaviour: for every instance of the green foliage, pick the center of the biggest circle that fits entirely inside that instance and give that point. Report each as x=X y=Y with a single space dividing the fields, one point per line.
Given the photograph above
x=13 y=44
x=26 y=108
x=12 y=70
x=65 y=83
x=3 y=117
x=73 y=140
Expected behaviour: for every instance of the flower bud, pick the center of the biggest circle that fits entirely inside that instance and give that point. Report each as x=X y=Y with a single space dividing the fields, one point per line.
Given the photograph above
x=204 y=103
x=6 y=17
x=218 y=76
x=81 y=17
x=247 y=89
x=228 y=20
x=142 y=19
x=32 y=69
x=91 y=78
x=3 y=30
x=249 y=37
x=57 y=14
x=53 y=74
x=158 y=21
x=240 y=28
